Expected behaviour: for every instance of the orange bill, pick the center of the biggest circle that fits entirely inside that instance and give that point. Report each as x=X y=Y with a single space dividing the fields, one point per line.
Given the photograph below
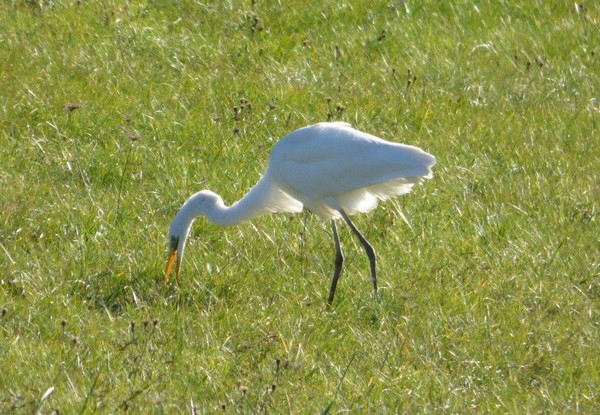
x=170 y=261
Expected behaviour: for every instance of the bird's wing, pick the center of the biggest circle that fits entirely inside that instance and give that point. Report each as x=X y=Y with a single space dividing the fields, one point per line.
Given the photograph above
x=332 y=159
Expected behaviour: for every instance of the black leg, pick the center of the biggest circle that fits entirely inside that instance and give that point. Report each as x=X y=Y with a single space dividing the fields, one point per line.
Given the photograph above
x=368 y=248
x=339 y=260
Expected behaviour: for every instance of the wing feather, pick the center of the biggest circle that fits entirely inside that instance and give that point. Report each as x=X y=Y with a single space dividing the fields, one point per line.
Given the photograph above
x=333 y=161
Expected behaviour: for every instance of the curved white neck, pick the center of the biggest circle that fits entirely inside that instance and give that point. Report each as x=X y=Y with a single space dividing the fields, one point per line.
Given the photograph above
x=265 y=197
x=242 y=210
x=254 y=203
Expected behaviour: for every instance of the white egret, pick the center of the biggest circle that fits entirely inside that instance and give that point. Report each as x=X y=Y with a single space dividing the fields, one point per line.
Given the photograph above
x=329 y=168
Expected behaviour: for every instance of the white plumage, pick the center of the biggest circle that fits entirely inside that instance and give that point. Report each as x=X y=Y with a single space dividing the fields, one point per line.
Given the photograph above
x=331 y=169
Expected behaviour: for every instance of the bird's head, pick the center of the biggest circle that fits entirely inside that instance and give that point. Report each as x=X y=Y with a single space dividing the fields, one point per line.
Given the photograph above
x=198 y=204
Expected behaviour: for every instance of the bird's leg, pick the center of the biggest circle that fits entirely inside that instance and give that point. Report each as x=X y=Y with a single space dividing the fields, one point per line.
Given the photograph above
x=339 y=260
x=368 y=248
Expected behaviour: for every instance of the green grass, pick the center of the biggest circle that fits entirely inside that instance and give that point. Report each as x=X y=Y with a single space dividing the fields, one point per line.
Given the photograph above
x=490 y=304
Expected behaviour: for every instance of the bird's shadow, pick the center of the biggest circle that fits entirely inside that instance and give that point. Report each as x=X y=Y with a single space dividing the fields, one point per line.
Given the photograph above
x=117 y=292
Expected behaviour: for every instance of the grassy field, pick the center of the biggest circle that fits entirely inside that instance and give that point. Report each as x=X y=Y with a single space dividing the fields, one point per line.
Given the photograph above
x=113 y=112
